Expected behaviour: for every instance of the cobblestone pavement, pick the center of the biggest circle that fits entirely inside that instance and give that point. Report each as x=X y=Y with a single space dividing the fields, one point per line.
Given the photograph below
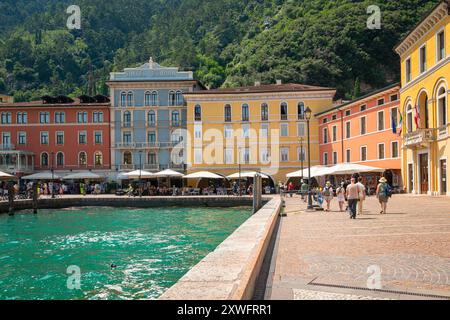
x=316 y=295
x=410 y=246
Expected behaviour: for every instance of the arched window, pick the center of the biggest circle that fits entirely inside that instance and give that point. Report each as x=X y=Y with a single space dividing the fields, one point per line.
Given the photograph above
x=245 y=112
x=264 y=112
x=198 y=113
x=227 y=113
x=123 y=99
x=127 y=119
x=442 y=107
x=147 y=99
x=301 y=111
x=175 y=119
x=127 y=158
x=179 y=98
x=151 y=118
x=171 y=98
x=44 y=159
x=155 y=101
x=82 y=158
x=284 y=111
x=130 y=99
x=98 y=158
x=409 y=119
x=60 y=159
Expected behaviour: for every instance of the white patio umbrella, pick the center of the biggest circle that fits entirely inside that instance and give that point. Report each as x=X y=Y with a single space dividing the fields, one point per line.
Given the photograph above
x=350 y=168
x=6 y=176
x=137 y=174
x=203 y=175
x=168 y=173
x=316 y=171
x=82 y=176
x=247 y=174
x=46 y=175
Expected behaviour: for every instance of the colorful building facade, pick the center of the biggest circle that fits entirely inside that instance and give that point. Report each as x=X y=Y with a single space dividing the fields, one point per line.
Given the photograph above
x=364 y=131
x=148 y=117
x=258 y=128
x=425 y=76
x=55 y=133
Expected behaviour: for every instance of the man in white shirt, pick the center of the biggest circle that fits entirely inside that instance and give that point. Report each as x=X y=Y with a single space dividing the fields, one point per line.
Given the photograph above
x=362 y=195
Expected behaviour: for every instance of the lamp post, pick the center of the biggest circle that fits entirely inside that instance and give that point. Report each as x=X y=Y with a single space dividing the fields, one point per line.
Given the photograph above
x=53 y=177
x=239 y=181
x=300 y=140
x=308 y=118
x=140 y=173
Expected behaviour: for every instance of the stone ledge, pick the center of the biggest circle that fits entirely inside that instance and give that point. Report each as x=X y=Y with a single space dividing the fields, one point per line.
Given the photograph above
x=230 y=271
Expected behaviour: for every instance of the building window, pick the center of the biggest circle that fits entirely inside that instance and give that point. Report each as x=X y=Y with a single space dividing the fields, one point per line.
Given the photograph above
x=300 y=129
x=44 y=138
x=175 y=119
x=44 y=117
x=228 y=129
x=127 y=138
x=284 y=130
x=325 y=135
x=363 y=129
x=245 y=112
x=198 y=156
x=82 y=158
x=284 y=154
x=395 y=153
x=22 y=139
x=44 y=159
x=325 y=120
x=284 y=111
x=348 y=113
x=381 y=155
x=301 y=111
x=151 y=118
x=227 y=112
x=394 y=97
x=98 y=137
x=264 y=112
x=363 y=153
x=440 y=45
x=246 y=156
x=442 y=106
x=325 y=159
x=82 y=117
x=22 y=118
x=245 y=131
x=347 y=130
x=97 y=117
x=179 y=98
x=82 y=137
x=172 y=98
x=59 y=138
x=335 y=157
x=348 y=154
x=228 y=156
x=155 y=99
x=147 y=99
x=334 y=133
x=381 y=121
x=380 y=102
x=127 y=158
x=127 y=119
x=408 y=70
x=394 y=116
x=60 y=159
x=334 y=117
x=123 y=99
x=198 y=132
x=98 y=159
x=409 y=119
x=151 y=158
x=60 y=117
x=130 y=99
x=423 y=59
x=198 y=113
x=151 y=137
x=363 y=108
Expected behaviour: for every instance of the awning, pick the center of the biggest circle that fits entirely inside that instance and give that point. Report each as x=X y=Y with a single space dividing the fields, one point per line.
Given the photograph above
x=203 y=175
x=82 y=176
x=351 y=168
x=316 y=171
x=6 y=176
x=247 y=174
x=169 y=174
x=136 y=175
x=46 y=175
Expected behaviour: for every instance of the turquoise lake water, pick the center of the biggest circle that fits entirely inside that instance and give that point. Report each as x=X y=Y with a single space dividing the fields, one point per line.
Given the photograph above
x=151 y=249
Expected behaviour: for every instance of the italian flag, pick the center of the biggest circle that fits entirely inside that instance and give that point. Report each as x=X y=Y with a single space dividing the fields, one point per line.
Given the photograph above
x=400 y=125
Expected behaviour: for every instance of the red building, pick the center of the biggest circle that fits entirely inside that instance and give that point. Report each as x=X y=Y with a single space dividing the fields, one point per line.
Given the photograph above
x=56 y=133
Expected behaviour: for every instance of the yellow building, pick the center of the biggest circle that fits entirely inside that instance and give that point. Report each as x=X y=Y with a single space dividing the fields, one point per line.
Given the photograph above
x=6 y=99
x=425 y=75
x=258 y=128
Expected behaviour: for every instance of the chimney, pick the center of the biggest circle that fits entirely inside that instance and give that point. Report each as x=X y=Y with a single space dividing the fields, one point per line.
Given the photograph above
x=279 y=82
x=257 y=83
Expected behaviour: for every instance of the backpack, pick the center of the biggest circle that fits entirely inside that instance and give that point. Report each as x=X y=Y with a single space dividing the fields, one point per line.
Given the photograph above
x=386 y=190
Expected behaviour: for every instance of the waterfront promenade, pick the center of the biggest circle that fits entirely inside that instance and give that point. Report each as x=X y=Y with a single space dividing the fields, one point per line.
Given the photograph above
x=326 y=255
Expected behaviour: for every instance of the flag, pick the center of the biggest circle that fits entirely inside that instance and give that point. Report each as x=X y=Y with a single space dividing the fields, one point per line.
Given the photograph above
x=417 y=117
x=394 y=124
x=400 y=125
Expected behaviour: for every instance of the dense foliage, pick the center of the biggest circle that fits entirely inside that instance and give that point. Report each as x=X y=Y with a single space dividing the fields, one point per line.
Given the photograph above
x=226 y=42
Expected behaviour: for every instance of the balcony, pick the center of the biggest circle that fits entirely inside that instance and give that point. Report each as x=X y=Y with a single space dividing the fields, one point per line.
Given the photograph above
x=147 y=145
x=419 y=138
x=7 y=147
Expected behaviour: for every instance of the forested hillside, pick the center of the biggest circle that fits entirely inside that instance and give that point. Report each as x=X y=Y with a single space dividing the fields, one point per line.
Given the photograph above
x=226 y=42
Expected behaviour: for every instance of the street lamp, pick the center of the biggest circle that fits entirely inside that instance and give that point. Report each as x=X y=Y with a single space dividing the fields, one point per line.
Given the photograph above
x=308 y=118
x=53 y=177
x=140 y=173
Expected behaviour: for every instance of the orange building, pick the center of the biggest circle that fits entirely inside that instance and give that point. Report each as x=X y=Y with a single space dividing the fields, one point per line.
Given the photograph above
x=364 y=131
x=56 y=133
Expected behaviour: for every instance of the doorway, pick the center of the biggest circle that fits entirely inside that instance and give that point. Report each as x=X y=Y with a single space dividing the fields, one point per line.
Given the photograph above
x=423 y=173
x=443 y=168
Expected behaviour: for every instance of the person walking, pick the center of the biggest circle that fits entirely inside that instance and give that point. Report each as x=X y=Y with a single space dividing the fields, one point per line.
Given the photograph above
x=290 y=189
x=328 y=195
x=362 y=195
x=383 y=194
x=352 y=197
x=304 y=190
x=340 y=193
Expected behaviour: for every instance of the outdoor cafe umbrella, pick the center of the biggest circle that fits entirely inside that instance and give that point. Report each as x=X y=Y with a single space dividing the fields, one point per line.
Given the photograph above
x=46 y=175
x=87 y=175
x=137 y=174
x=316 y=171
x=350 y=168
x=168 y=173
x=6 y=176
x=203 y=175
x=247 y=174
